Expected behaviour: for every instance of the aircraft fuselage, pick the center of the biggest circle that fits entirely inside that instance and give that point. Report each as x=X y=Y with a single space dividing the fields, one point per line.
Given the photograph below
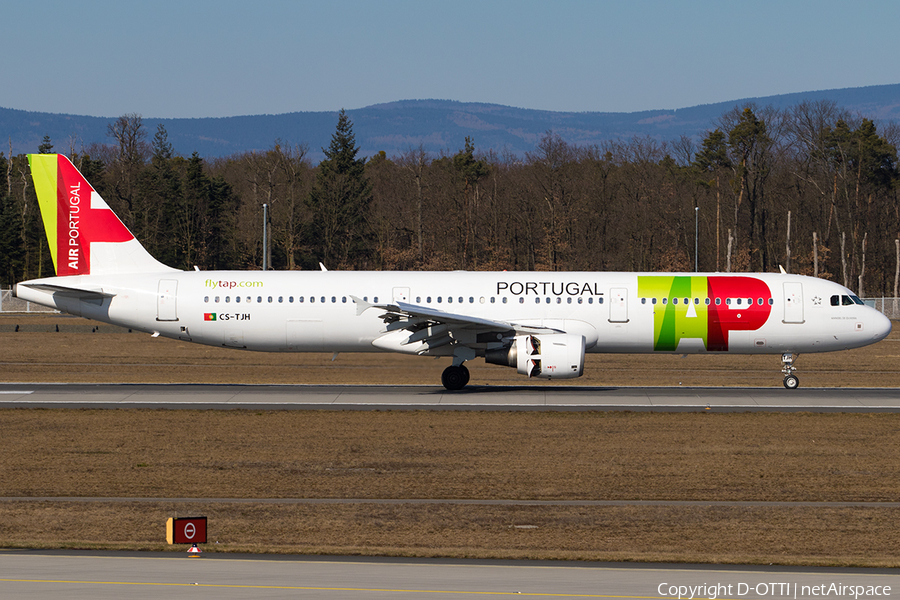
x=615 y=312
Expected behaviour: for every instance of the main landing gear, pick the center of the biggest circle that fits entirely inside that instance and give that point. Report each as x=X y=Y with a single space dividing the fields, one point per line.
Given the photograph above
x=455 y=377
x=791 y=381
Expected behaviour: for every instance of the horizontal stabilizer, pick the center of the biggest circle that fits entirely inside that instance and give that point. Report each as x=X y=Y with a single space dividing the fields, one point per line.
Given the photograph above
x=70 y=292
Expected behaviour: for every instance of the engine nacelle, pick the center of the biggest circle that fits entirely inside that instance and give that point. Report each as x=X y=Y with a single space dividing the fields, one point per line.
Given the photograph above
x=551 y=356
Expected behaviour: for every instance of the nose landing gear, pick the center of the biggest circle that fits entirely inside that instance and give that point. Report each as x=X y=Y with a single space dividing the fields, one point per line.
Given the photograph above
x=791 y=381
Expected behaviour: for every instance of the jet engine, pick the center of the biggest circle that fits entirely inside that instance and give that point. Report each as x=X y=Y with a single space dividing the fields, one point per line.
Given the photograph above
x=551 y=356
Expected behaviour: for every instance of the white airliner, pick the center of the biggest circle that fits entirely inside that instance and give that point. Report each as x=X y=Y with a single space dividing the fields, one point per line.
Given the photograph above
x=539 y=323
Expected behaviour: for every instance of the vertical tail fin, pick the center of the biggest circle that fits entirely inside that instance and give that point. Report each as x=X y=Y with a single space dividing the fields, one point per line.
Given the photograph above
x=85 y=236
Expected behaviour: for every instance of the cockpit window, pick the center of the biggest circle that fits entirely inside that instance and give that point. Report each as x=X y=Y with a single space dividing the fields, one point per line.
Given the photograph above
x=846 y=300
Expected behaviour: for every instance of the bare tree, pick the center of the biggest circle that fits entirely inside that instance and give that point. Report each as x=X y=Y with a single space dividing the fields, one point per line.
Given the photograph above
x=130 y=154
x=415 y=160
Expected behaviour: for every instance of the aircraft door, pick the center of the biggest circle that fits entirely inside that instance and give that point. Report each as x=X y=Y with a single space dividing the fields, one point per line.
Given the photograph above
x=793 y=302
x=618 y=305
x=166 y=309
x=401 y=294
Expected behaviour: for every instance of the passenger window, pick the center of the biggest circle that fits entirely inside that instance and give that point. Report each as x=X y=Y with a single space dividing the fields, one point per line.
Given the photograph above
x=771 y=301
x=537 y=300
x=591 y=300
x=687 y=301
x=696 y=300
x=312 y=299
x=727 y=301
x=227 y=298
x=493 y=300
x=333 y=299
x=759 y=301
x=300 y=299
x=471 y=300
x=706 y=301
x=323 y=300
x=674 y=300
x=580 y=299
x=291 y=299
x=739 y=301
x=600 y=300
x=280 y=299
x=521 y=300
x=718 y=301
x=439 y=299
x=206 y=298
x=665 y=300
x=217 y=299
x=237 y=298
x=460 y=300
x=418 y=299
x=643 y=301
x=449 y=299
x=344 y=299
x=428 y=299
x=569 y=300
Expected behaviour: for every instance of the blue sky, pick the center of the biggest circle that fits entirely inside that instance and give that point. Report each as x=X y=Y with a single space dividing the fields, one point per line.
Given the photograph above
x=183 y=58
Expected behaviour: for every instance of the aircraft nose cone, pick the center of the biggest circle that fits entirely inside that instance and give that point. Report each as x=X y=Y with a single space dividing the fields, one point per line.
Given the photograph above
x=881 y=327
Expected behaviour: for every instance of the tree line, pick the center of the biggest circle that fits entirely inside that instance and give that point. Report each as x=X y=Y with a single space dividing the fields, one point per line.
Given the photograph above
x=812 y=189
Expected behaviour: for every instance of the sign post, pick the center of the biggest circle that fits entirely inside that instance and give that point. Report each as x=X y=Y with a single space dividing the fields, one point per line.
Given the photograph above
x=189 y=530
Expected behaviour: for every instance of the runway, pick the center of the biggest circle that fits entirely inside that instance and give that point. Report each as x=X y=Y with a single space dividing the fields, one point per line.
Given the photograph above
x=350 y=397
x=97 y=575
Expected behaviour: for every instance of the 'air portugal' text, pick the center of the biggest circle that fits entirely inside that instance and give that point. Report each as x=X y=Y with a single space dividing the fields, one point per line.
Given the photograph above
x=74 y=210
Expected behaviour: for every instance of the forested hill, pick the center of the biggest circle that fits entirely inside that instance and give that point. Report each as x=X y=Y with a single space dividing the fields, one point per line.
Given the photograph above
x=437 y=125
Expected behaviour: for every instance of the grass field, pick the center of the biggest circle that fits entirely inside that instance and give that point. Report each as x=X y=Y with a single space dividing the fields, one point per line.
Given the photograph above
x=370 y=456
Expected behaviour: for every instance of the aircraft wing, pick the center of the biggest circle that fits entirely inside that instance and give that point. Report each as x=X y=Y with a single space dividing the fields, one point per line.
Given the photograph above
x=428 y=328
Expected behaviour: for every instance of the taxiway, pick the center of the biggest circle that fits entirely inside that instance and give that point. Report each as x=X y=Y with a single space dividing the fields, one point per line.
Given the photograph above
x=98 y=575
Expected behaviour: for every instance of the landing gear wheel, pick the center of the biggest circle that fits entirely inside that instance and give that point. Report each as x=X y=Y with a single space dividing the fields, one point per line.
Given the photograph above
x=787 y=367
x=455 y=378
x=791 y=382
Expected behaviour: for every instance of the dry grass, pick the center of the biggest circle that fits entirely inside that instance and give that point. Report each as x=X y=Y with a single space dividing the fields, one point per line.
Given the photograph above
x=482 y=455
x=427 y=454
x=735 y=535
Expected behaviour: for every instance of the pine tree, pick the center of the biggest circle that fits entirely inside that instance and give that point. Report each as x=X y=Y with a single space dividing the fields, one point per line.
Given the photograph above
x=46 y=146
x=12 y=251
x=340 y=200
